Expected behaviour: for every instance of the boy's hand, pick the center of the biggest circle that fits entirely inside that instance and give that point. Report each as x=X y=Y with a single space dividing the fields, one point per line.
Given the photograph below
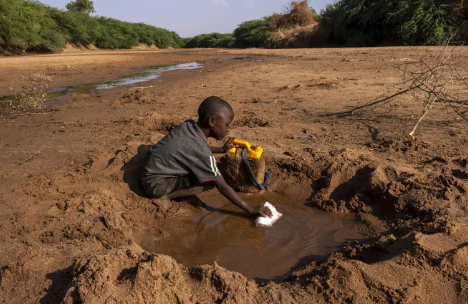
x=227 y=145
x=231 y=195
x=262 y=211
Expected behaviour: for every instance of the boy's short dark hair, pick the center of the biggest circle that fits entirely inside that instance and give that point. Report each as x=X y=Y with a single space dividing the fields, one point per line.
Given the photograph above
x=211 y=106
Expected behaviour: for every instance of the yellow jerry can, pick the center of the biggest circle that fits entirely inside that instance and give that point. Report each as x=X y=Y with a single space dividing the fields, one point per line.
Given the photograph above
x=236 y=171
x=253 y=152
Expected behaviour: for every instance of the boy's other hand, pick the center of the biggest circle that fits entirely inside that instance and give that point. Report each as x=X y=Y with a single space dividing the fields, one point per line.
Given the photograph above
x=262 y=211
x=227 y=145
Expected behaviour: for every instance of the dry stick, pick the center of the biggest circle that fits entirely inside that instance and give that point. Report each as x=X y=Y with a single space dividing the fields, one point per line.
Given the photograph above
x=428 y=108
x=32 y=113
x=378 y=101
x=442 y=62
x=462 y=115
x=450 y=101
x=32 y=156
x=418 y=79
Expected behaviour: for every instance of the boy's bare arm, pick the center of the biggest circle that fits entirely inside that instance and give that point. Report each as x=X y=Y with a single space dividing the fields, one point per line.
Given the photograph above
x=231 y=195
x=227 y=145
x=217 y=150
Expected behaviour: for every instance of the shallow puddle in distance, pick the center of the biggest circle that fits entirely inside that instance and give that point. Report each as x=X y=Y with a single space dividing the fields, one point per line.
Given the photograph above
x=142 y=75
x=227 y=235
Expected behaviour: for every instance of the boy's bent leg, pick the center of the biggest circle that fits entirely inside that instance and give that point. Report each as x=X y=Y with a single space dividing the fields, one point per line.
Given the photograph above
x=193 y=190
x=163 y=203
x=190 y=194
x=157 y=187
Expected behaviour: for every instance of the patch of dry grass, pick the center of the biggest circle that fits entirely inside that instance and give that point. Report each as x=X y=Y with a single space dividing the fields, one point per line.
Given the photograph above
x=32 y=101
x=39 y=77
x=33 y=94
x=297 y=36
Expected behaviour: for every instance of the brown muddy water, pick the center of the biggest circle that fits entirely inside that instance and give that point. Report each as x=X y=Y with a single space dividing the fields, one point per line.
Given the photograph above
x=225 y=234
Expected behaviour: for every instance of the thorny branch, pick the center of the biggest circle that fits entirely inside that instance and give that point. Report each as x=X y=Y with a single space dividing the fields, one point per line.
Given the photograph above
x=441 y=80
x=428 y=107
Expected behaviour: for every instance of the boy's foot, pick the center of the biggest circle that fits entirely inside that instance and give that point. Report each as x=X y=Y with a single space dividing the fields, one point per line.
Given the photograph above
x=195 y=201
x=162 y=203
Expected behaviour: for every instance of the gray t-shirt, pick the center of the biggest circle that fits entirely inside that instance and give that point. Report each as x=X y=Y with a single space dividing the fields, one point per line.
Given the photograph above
x=183 y=151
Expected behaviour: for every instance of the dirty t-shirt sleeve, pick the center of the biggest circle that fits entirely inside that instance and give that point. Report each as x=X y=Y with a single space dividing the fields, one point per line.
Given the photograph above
x=204 y=167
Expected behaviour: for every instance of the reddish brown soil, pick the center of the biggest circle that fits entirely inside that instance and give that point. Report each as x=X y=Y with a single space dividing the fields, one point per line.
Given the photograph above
x=71 y=203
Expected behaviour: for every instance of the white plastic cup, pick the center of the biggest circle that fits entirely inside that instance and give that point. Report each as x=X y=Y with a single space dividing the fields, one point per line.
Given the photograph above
x=268 y=221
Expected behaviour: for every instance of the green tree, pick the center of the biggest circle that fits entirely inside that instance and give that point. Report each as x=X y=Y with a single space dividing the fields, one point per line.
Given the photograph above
x=82 y=6
x=213 y=40
x=253 y=33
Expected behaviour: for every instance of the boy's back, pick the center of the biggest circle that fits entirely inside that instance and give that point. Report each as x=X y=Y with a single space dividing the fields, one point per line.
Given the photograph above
x=184 y=151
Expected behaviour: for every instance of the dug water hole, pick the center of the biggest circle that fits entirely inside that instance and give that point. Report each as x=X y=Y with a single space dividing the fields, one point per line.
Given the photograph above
x=225 y=234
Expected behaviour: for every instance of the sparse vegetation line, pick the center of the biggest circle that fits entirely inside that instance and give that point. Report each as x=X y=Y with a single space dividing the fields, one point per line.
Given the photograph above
x=350 y=23
x=260 y=32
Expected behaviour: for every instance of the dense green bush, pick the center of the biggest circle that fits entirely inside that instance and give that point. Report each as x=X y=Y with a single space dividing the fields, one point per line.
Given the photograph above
x=355 y=22
x=78 y=28
x=213 y=40
x=370 y=22
x=32 y=26
x=150 y=35
x=253 y=33
x=116 y=34
x=27 y=25
x=423 y=22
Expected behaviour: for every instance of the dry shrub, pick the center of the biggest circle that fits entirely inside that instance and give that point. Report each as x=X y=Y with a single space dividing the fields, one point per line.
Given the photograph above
x=279 y=21
x=300 y=13
x=297 y=13
x=298 y=36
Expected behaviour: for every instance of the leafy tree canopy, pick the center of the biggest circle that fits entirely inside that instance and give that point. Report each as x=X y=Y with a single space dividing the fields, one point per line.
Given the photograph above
x=82 y=6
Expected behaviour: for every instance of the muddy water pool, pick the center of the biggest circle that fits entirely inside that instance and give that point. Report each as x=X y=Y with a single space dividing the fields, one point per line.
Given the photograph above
x=225 y=234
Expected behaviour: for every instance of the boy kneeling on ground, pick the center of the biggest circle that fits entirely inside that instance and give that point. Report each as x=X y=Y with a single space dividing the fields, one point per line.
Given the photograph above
x=182 y=163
